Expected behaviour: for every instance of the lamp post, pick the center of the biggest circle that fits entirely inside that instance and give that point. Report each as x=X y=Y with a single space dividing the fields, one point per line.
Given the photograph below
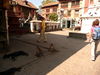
x=61 y=16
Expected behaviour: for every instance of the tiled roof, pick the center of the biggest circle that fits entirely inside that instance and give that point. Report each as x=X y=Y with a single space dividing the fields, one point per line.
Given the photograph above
x=29 y=4
x=50 y=4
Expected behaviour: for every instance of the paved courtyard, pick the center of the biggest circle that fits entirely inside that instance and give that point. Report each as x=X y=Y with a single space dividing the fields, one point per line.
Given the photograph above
x=72 y=58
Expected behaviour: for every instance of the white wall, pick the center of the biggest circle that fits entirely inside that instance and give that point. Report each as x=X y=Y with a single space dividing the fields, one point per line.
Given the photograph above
x=86 y=24
x=87 y=18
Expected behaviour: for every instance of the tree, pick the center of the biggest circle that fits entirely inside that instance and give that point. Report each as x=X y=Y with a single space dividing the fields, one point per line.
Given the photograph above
x=47 y=1
x=53 y=17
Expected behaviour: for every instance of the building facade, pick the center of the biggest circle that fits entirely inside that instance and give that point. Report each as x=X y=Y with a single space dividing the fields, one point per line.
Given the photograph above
x=49 y=8
x=69 y=12
x=90 y=13
x=20 y=12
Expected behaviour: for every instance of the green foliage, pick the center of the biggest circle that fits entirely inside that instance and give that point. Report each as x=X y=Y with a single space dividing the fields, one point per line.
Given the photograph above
x=47 y=1
x=53 y=17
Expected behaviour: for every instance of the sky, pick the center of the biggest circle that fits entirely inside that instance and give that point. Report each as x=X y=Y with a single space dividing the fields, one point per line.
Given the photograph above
x=37 y=3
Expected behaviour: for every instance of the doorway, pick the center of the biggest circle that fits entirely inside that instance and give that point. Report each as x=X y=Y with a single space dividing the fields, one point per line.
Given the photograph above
x=68 y=24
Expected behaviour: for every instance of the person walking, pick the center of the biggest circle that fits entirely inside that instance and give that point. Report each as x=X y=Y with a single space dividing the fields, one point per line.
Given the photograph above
x=94 y=40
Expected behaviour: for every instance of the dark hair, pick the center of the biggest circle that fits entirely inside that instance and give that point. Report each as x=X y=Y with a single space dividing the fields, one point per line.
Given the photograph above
x=95 y=22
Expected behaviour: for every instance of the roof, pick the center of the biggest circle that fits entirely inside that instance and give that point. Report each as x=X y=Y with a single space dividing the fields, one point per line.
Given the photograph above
x=40 y=16
x=50 y=4
x=67 y=0
x=29 y=4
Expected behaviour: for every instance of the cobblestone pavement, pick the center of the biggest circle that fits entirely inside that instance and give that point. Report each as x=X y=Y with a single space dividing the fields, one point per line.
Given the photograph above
x=72 y=58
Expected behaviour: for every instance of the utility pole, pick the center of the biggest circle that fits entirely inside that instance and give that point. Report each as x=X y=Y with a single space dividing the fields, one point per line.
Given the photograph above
x=4 y=35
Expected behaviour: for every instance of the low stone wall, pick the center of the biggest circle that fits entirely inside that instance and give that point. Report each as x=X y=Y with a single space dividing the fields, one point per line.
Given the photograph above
x=50 y=26
x=77 y=35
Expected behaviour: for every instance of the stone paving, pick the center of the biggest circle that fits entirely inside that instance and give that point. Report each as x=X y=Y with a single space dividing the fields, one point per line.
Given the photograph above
x=72 y=58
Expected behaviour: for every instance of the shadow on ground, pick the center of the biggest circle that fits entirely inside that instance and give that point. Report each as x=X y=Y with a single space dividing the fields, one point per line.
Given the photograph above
x=67 y=47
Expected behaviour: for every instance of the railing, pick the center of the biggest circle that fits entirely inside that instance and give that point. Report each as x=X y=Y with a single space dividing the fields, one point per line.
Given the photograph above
x=52 y=26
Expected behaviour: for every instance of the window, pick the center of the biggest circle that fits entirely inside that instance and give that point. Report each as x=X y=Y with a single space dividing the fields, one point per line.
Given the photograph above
x=69 y=13
x=64 y=5
x=47 y=10
x=91 y=1
x=47 y=15
x=75 y=3
x=76 y=12
x=43 y=10
x=54 y=9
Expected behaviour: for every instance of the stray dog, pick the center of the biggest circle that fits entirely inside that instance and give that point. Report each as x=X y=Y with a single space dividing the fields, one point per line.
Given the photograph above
x=52 y=48
x=10 y=71
x=39 y=52
x=14 y=55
